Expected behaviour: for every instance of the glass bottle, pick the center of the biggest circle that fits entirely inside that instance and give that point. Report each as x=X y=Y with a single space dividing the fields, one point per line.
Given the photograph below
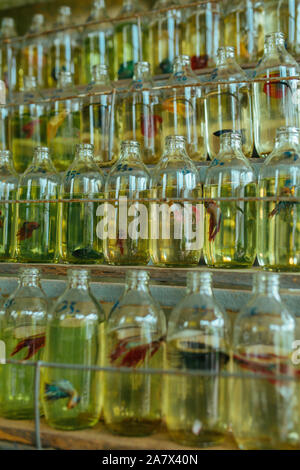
x=139 y=114
x=32 y=59
x=63 y=129
x=23 y=332
x=28 y=124
x=197 y=340
x=228 y=105
x=98 y=42
x=176 y=227
x=8 y=191
x=183 y=108
x=165 y=36
x=98 y=117
x=264 y=410
x=65 y=52
x=135 y=337
x=283 y=16
x=278 y=244
x=240 y=29
x=36 y=223
x=230 y=226
x=127 y=41
x=4 y=121
x=126 y=242
x=72 y=398
x=8 y=54
x=275 y=104
x=202 y=34
x=78 y=239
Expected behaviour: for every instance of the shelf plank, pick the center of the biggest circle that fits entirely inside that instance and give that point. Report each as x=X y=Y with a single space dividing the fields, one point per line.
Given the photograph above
x=97 y=438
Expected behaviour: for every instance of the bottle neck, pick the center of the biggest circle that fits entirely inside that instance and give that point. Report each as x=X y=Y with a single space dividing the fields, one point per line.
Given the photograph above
x=197 y=286
x=267 y=286
x=176 y=146
x=182 y=70
x=30 y=281
x=41 y=158
x=137 y=284
x=79 y=283
x=141 y=77
x=100 y=76
x=230 y=143
x=6 y=161
x=84 y=155
x=65 y=81
x=287 y=139
x=274 y=44
x=130 y=151
x=225 y=57
x=30 y=84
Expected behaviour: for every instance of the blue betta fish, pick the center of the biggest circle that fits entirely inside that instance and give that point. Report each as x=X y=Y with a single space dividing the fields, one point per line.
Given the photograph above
x=62 y=389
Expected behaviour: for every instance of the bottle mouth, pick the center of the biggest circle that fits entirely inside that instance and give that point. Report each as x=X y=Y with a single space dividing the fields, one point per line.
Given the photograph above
x=130 y=143
x=5 y=154
x=260 y=278
x=232 y=136
x=84 y=148
x=175 y=139
x=276 y=36
x=81 y=274
x=199 y=276
x=225 y=52
x=38 y=150
x=287 y=130
x=183 y=59
x=24 y=272
x=137 y=275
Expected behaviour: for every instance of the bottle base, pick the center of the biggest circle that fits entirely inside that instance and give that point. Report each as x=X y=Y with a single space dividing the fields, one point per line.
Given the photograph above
x=265 y=444
x=72 y=424
x=133 y=428
x=206 y=438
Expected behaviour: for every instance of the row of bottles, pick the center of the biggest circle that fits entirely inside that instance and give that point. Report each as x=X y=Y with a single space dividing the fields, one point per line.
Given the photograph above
x=197 y=32
x=198 y=409
x=202 y=113
x=131 y=216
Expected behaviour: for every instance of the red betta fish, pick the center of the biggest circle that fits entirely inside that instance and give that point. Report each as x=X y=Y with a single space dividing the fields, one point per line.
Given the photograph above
x=214 y=223
x=1 y=220
x=33 y=343
x=26 y=230
x=276 y=89
x=150 y=125
x=28 y=128
x=132 y=356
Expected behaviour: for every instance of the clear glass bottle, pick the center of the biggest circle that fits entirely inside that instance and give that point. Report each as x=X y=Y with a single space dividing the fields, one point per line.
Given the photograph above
x=196 y=406
x=127 y=242
x=278 y=234
x=73 y=398
x=8 y=54
x=275 y=104
x=4 y=121
x=165 y=36
x=139 y=114
x=36 y=223
x=202 y=34
x=240 y=29
x=264 y=411
x=283 y=16
x=183 y=108
x=98 y=117
x=64 y=123
x=78 y=239
x=64 y=52
x=23 y=332
x=8 y=191
x=127 y=41
x=97 y=42
x=32 y=57
x=27 y=124
x=135 y=337
x=176 y=227
x=230 y=226
x=228 y=105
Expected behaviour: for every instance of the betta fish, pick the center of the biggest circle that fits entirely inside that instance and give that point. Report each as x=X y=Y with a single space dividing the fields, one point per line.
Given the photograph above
x=126 y=70
x=199 y=62
x=150 y=125
x=214 y=221
x=133 y=355
x=1 y=220
x=268 y=364
x=62 y=389
x=26 y=230
x=33 y=343
x=55 y=123
x=278 y=89
x=28 y=129
x=283 y=205
x=166 y=66
x=175 y=106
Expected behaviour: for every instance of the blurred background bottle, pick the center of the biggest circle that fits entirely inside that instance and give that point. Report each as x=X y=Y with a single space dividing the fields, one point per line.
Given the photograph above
x=8 y=54
x=8 y=191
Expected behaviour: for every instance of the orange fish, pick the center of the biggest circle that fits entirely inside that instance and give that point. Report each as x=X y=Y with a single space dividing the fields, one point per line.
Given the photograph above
x=175 y=106
x=33 y=343
x=26 y=230
x=214 y=223
x=55 y=123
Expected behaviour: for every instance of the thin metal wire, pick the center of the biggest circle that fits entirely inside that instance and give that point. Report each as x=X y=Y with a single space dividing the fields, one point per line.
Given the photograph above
x=37 y=384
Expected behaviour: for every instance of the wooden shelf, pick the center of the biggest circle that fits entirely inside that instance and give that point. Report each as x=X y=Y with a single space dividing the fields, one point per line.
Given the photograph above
x=97 y=438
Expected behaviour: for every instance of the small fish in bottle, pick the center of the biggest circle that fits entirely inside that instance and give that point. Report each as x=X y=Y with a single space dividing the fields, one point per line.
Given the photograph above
x=264 y=407
x=278 y=235
x=8 y=191
x=195 y=405
x=129 y=178
x=73 y=398
x=27 y=124
x=139 y=114
x=230 y=226
x=228 y=106
x=36 y=222
x=23 y=330
x=135 y=337
x=176 y=228
x=64 y=123
x=78 y=240
x=275 y=103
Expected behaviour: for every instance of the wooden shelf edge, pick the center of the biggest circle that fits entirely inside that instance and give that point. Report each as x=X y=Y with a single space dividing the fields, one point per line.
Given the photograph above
x=97 y=438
